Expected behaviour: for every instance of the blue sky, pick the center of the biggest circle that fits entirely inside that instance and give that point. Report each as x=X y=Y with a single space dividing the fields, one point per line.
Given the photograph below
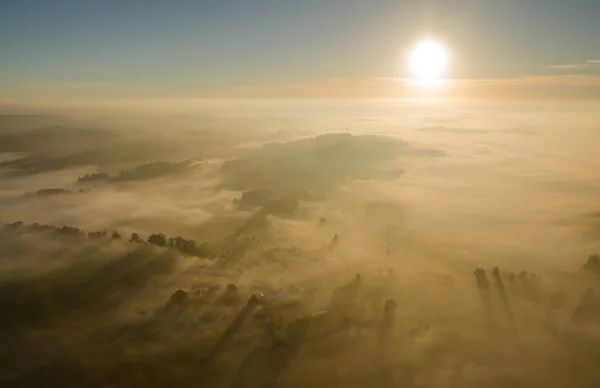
x=163 y=48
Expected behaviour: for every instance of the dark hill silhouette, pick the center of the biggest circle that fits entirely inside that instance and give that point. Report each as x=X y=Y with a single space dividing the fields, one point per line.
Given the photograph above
x=315 y=165
x=55 y=138
x=11 y=123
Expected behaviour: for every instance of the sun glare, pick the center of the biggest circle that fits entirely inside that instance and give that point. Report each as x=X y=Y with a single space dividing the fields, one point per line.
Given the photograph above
x=428 y=61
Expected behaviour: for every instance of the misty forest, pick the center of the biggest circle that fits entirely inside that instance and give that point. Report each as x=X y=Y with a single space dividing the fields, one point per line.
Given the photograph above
x=354 y=249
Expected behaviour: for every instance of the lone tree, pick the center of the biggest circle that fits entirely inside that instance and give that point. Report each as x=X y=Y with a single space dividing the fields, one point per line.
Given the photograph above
x=593 y=264
x=334 y=242
x=135 y=238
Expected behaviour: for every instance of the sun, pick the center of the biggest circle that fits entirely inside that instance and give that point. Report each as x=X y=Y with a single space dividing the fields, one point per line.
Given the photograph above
x=428 y=61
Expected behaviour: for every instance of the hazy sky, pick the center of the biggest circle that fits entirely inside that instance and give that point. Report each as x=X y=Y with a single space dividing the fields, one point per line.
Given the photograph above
x=147 y=48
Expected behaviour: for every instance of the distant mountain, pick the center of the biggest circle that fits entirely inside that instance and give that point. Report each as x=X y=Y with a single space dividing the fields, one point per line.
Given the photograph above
x=54 y=138
x=15 y=123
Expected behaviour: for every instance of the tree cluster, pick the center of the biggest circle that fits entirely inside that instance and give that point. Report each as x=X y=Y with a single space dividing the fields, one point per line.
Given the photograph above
x=95 y=177
x=178 y=243
x=48 y=192
x=158 y=239
x=97 y=234
x=151 y=170
x=182 y=245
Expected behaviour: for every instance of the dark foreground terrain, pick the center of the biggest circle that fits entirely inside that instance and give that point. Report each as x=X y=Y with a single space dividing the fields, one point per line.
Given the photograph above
x=137 y=315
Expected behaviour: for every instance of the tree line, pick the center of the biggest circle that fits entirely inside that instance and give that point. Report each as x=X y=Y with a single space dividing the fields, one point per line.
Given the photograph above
x=54 y=192
x=95 y=177
x=178 y=243
x=144 y=171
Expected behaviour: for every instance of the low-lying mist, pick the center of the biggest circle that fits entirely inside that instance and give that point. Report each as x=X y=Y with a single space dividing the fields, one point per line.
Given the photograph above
x=337 y=244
